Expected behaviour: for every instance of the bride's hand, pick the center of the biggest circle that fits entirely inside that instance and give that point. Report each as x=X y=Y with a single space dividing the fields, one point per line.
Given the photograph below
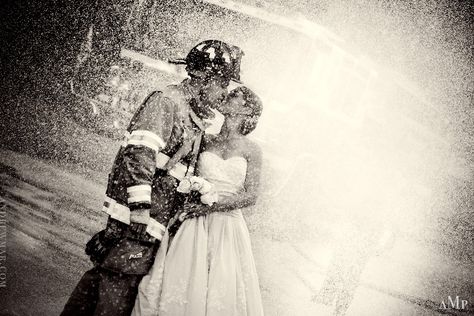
x=195 y=210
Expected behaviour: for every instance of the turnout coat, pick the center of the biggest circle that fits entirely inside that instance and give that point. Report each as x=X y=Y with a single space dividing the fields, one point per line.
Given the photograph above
x=160 y=148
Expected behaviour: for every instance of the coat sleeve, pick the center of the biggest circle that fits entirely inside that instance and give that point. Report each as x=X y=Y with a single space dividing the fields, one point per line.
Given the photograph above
x=149 y=131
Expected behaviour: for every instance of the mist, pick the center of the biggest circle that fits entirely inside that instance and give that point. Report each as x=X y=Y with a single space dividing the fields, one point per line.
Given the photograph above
x=367 y=127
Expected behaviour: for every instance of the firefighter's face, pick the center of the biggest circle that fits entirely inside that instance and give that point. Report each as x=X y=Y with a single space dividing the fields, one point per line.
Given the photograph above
x=213 y=92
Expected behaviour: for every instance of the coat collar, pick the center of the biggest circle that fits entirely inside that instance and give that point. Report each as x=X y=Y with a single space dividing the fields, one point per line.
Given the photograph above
x=189 y=96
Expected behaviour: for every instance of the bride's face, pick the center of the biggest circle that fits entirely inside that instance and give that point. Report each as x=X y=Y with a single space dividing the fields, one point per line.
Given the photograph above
x=234 y=106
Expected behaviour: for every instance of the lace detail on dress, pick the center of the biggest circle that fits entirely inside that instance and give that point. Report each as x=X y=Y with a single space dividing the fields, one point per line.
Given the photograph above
x=215 y=297
x=175 y=295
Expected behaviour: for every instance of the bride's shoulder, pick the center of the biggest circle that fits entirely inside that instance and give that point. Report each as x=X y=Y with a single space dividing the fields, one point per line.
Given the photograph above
x=251 y=148
x=251 y=144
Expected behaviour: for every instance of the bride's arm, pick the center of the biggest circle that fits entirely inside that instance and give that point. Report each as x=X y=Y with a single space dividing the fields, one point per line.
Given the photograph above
x=246 y=198
x=251 y=186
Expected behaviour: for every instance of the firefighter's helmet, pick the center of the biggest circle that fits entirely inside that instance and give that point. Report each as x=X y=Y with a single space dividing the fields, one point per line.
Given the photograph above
x=213 y=58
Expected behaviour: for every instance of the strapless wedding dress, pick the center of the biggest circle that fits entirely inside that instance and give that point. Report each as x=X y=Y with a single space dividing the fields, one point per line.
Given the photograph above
x=209 y=268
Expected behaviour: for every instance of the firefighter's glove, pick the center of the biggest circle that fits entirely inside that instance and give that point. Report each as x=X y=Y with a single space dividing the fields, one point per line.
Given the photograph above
x=98 y=247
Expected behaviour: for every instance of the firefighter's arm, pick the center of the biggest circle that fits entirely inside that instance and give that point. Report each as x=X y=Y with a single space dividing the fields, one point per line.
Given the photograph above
x=149 y=131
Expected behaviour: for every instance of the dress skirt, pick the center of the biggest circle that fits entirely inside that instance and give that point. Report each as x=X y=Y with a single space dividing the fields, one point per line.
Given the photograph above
x=209 y=270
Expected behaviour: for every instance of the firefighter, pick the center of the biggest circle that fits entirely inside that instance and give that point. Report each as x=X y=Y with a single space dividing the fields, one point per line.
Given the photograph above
x=160 y=148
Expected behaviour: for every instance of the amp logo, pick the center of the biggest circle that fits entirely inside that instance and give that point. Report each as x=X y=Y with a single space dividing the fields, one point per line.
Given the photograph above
x=457 y=303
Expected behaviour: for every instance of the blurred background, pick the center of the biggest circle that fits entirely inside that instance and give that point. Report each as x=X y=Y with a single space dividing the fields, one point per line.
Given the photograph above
x=367 y=134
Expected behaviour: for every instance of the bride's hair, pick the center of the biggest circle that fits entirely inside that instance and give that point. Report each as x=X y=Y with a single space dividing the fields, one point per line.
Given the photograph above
x=253 y=102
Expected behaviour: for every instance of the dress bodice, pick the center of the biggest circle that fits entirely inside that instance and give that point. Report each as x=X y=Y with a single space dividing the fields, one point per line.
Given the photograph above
x=227 y=175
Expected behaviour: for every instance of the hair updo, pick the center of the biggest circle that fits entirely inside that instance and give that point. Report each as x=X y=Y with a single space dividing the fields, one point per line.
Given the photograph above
x=253 y=102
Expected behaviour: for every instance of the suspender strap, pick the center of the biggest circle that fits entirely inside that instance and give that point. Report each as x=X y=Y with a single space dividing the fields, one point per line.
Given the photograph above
x=195 y=154
x=140 y=109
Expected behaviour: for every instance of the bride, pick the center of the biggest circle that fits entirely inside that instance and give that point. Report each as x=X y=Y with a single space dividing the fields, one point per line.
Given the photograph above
x=209 y=268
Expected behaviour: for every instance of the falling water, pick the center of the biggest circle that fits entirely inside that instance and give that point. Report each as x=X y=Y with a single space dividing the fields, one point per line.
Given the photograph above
x=366 y=131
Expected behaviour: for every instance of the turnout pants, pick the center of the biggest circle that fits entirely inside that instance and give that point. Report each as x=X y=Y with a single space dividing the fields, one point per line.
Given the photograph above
x=103 y=292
